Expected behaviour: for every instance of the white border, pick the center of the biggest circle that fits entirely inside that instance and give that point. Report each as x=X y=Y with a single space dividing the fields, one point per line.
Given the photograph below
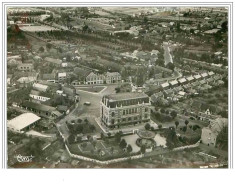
x=119 y=181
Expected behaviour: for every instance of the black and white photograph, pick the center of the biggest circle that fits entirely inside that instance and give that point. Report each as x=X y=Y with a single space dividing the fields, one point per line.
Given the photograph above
x=145 y=86
x=117 y=87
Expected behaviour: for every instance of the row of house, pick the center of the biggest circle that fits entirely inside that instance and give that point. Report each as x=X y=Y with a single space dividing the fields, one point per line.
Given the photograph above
x=192 y=85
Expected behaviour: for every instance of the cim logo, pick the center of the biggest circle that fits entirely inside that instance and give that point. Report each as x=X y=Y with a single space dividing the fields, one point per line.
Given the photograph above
x=21 y=158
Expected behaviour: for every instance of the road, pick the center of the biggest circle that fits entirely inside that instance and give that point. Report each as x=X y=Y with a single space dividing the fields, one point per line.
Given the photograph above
x=167 y=54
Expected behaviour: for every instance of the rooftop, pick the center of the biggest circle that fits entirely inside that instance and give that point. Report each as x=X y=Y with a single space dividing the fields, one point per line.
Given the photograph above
x=182 y=80
x=37 y=106
x=124 y=96
x=22 y=121
x=41 y=86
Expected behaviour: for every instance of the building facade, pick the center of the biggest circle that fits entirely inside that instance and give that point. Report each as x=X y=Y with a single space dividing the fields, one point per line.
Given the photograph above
x=124 y=109
x=113 y=77
x=25 y=67
x=93 y=78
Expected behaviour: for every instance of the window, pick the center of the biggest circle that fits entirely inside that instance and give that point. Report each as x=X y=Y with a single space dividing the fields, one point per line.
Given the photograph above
x=112 y=121
x=124 y=119
x=113 y=114
x=146 y=109
x=129 y=119
x=124 y=112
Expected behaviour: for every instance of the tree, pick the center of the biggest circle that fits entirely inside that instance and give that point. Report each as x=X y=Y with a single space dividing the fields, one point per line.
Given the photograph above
x=160 y=126
x=176 y=124
x=171 y=66
x=117 y=137
x=86 y=121
x=129 y=148
x=143 y=149
x=184 y=129
x=152 y=128
x=186 y=122
x=162 y=110
x=48 y=46
x=109 y=134
x=123 y=144
x=111 y=150
x=71 y=139
x=173 y=114
x=92 y=128
x=117 y=89
x=41 y=49
x=147 y=126
x=79 y=120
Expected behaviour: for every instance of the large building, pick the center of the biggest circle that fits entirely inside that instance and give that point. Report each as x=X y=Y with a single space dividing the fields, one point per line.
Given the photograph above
x=124 y=109
x=22 y=122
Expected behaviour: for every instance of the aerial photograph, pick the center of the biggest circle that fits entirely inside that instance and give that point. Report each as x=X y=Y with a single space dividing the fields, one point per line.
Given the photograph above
x=117 y=87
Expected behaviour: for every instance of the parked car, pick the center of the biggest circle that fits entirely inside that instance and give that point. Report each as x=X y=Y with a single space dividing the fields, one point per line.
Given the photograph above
x=87 y=103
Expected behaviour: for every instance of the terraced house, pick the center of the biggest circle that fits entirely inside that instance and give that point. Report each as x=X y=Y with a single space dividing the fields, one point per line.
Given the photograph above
x=124 y=109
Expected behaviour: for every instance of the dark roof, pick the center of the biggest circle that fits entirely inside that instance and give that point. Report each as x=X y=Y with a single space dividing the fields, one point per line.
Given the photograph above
x=124 y=96
x=40 y=107
x=48 y=76
x=81 y=73
x=62 y=108
x=50 y=84
x=34 y=92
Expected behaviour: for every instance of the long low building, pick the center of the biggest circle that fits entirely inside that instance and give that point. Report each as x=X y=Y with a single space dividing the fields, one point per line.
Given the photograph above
x=42 y=110
x=23 y=122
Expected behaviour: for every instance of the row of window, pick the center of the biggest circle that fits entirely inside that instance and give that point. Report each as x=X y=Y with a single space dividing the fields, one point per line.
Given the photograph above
x=24 y=67
x=130 y=111
x=129 y=119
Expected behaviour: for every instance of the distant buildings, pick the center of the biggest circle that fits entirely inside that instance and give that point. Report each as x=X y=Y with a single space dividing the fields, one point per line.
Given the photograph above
x=124 y=109
x=108 y=78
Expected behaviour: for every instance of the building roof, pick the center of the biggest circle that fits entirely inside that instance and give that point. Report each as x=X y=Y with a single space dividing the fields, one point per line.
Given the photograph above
x=211 y=73
x=52 y=60
x=182 y=80
x=204 y=74
x=22 y=121
x=40 y=86
x=165 y=85
x=25 y=64
x=174 y=82
x=202 y=82
x=48 y=76
x=125 y=96
x=182 y=93
x=113 y=74
x=37 y=106
x=26 y=79
x=198 y=76
x=34 y=92
x=190 y=78
x=81 y=72
x=62 y=74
